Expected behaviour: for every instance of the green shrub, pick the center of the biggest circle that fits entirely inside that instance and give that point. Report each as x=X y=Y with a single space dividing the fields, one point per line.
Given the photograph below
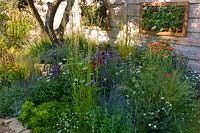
x=43 y=117
x=47 y=89
x=82 y=86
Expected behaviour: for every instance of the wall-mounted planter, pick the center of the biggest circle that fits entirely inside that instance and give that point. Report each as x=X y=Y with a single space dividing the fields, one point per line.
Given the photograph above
x=164 y=18
x=95 y=17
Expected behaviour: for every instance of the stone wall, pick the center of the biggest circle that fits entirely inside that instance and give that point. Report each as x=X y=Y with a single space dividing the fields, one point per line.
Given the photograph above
x=124 y=23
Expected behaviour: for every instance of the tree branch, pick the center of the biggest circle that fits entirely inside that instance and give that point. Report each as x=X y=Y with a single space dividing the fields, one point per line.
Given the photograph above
x=36 y=14
x=52 y=8
x=65 y=18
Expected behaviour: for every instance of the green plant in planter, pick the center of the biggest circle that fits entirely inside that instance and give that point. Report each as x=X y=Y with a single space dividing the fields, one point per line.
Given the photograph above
x=163 y=18
x=95 y=15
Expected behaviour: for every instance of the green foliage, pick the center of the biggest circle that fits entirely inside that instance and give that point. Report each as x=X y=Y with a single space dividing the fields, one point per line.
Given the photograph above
x=14 y=28
x=159 y=95
x=102 y=89
x=42 y=51
x=49 y=89
x=161 y=102
x=10 y=71
x=11 y=100
x=18 y=27
x=191 y=119
x=145 y=82
x=94 y=15
x=15 y=25
x=69 y=62
x=3 y=17
x=78 y=72
x=38 y=48
x=42 y=117
x=95 y=120
x=162 y=18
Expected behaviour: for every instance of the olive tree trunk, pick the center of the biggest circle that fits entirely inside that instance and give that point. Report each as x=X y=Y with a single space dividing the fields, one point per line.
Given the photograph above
x=55 y=35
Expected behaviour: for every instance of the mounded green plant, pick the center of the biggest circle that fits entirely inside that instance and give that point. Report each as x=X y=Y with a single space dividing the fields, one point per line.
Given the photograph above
x=43 y=117
x=48 y=89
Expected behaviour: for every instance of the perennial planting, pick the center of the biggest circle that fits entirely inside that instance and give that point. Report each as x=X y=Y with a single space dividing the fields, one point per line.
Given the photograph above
x=89 y=87
x=95 y=89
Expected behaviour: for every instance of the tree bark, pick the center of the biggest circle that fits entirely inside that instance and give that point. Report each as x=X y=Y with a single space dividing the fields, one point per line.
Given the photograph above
x=56 y=36
x=65 y=19
x=36 y=14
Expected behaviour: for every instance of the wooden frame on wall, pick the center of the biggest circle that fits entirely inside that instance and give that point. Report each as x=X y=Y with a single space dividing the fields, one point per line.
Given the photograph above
x=166 y=33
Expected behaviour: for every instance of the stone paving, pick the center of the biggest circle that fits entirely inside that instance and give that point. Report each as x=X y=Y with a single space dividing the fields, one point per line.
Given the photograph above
x=12 y=125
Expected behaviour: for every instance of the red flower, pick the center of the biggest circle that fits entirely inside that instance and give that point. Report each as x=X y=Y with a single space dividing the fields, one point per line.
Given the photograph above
x=93 y=65
x=156 y=51
x=151 y=44
x=100 y=61
x=158 y=44
x=168 y=75
x=170 y=48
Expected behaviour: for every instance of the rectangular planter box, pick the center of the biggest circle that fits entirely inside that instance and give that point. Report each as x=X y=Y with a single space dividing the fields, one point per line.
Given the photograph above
x=154 y=4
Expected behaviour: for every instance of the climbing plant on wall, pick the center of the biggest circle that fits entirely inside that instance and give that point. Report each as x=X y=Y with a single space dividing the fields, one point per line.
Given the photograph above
x=95 y=14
